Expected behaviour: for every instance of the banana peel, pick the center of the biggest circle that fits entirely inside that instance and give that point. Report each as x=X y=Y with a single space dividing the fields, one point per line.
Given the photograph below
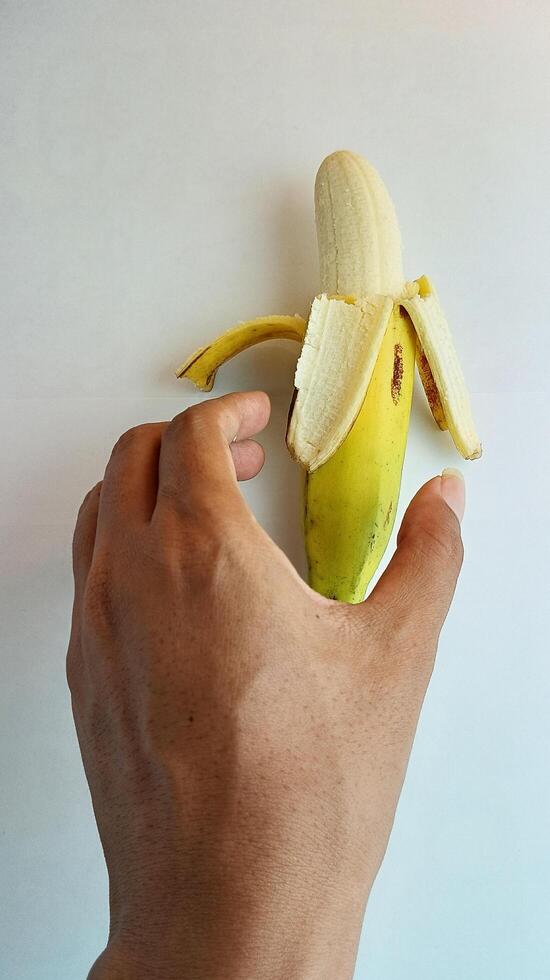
x=201 y=367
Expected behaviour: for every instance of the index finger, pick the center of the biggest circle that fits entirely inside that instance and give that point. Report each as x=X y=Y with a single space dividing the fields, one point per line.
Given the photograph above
x=196 y=468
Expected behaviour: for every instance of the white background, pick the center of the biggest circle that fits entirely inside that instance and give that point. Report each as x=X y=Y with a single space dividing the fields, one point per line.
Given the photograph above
x=158 y=161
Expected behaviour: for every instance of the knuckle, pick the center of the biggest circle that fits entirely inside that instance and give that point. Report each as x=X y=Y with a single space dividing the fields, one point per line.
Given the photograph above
x=92 y=494
x=128 y=438
x=190 y=425
x=124 y=440
x=214 y=556
x=440 y=541
x=213 y=537
x=195 y=545
x=217 y=519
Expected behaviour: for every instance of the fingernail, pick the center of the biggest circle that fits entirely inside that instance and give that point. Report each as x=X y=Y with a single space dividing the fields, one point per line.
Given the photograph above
x=453 y=490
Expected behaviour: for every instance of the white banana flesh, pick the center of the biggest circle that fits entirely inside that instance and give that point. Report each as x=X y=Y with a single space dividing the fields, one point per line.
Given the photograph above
x=341 y=346
x=357 y=229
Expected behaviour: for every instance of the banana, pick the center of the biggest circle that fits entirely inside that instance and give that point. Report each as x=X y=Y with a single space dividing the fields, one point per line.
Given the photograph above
x=349 y=419
x=351 y=501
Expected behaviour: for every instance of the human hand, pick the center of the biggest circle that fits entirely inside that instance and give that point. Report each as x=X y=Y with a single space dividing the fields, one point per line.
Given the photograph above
x=245 y=740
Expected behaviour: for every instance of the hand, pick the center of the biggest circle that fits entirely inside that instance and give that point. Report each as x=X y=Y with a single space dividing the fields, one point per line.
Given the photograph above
x=245 y=740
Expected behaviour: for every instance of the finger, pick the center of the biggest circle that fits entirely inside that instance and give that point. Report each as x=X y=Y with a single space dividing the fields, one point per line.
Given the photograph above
x=84 y=536
x=415 y=591
x=130 y=484
x=248 y=458
x=196 y=468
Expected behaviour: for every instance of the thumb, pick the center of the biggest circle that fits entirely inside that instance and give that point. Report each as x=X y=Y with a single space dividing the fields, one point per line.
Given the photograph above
x=417 y=586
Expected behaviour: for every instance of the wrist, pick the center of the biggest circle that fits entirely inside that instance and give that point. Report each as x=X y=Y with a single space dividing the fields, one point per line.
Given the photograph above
x=269 y=938
x=272 y=893
x=331 y=957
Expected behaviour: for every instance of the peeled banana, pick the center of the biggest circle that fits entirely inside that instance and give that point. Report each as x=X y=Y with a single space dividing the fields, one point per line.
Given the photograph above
x=349 y=418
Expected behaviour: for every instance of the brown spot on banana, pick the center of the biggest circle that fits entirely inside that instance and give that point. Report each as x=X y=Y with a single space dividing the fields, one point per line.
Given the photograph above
x=430 y=387
x=397 y=374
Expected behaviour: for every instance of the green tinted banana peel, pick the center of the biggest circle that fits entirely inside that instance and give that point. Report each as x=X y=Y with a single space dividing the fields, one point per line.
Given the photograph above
x=367 y=329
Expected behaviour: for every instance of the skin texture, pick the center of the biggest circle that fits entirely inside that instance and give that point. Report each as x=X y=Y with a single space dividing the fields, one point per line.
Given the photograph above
x=245 y=740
